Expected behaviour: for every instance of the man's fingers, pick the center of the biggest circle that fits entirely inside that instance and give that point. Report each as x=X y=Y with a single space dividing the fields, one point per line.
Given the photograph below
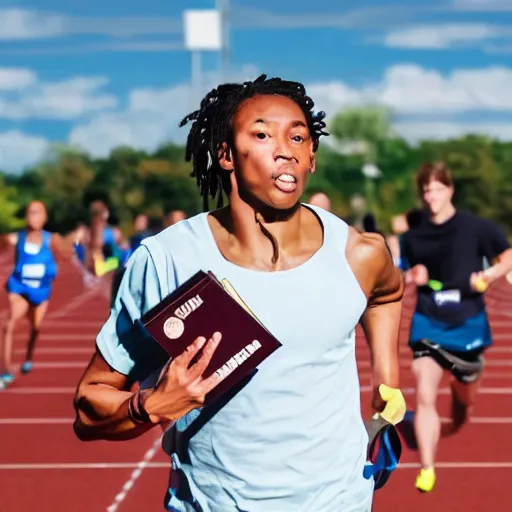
x=211 y=382
x=190 y=352
x=207 y=354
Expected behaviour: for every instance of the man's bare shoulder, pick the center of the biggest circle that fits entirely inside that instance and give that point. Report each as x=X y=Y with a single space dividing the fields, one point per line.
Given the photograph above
x=368 y=248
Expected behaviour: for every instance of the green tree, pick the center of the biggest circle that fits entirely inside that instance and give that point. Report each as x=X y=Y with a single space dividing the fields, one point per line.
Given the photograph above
x=9 y=208
x=64 y=175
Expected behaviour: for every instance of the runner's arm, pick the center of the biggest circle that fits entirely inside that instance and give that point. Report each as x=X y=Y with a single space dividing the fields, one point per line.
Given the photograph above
x=496 y=248
x=501 y=266
x=62 y=247
x=120 y=239
x=381 y=320
x=101 y=405
x=8 y=240
x=102 y=395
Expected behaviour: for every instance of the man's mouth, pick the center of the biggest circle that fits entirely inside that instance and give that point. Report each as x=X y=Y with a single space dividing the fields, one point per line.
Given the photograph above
x=286 y=182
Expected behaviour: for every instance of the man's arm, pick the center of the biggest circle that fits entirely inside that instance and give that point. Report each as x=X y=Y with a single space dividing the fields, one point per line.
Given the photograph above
x=500 y=267
x=63 y=247
x=384 y=285
x=496 y=248
x=8 y=240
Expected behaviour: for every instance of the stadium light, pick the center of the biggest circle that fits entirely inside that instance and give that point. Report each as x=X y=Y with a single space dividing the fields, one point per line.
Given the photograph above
x=203 y=32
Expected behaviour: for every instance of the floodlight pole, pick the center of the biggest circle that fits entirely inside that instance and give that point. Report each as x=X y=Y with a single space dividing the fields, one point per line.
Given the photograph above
x=196 y=76
x=224 y=9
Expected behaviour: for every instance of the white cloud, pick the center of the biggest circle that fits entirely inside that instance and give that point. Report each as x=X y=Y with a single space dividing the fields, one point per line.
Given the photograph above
x=26 y=97
x=411 y=89
x=24 y=24
x=438 y=37
x=12 y=79
x=116 y=46
x=414 y=131
x=482 y=5
x=19 y=150
x=152 y=115
x=432 y=103
x=19 y=24
x=362 y=17
x=151 y=118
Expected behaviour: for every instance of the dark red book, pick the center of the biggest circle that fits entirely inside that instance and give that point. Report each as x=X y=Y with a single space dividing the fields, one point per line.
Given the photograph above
x=202 y=306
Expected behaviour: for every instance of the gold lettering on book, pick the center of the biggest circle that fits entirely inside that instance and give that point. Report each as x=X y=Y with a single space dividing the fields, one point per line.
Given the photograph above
x=238 y=359
x=188 y=307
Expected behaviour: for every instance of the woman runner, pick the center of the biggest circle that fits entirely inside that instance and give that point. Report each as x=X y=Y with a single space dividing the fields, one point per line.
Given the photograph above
x=30 y=285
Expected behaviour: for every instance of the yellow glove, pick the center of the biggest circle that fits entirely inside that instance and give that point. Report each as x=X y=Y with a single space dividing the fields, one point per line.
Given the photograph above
x=481 y=285
x=395 y=408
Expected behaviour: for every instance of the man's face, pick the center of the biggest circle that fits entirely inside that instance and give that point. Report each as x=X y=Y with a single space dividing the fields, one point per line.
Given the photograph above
x=437 y=196
x=273 y=150
x=36 y=215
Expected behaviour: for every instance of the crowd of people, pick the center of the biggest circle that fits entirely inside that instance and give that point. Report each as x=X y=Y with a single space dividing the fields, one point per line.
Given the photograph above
x=255 y=144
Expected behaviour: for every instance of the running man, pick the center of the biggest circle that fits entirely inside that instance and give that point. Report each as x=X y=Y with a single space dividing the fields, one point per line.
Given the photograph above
x=174 y=216
x=293 y=437
x=321 y=200
x=444 y=251
x=30 y=285
x=143 y=227
x=107 y=248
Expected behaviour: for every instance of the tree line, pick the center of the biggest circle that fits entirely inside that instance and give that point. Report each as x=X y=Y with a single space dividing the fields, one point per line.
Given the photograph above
x=134 y=181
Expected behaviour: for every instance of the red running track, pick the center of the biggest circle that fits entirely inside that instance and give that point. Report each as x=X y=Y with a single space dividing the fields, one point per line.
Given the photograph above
x=44 y=467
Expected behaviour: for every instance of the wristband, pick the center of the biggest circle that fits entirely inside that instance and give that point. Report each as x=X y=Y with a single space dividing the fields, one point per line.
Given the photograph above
x=136 y=411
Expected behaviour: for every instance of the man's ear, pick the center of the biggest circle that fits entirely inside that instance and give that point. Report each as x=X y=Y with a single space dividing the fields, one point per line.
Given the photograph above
x=225 y=157
x=312 y=163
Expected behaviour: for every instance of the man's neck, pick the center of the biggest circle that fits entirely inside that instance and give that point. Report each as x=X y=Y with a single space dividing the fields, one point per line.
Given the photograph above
x=284 y=226
x=444 y=215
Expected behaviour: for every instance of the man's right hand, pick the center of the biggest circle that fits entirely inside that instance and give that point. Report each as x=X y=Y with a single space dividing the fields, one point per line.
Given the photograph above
x=417 y=275
x=181 y=387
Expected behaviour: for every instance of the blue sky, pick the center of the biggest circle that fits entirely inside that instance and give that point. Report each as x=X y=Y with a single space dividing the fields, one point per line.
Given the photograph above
x=100 y=74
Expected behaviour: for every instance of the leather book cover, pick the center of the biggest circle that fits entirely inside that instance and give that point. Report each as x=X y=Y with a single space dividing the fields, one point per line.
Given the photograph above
x=201 y=306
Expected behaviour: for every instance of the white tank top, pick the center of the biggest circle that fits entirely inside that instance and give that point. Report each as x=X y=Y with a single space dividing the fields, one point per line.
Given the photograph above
x=293 y=439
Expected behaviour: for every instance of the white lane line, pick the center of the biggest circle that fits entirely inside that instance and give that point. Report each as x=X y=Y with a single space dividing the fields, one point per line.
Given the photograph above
x=406 y=362
x=447 y=390
x=43 y=390
x=82 y=465
x=36 y=421
x=59 y=350
x=364 y=389
x=480 y=420
x=166 y=465
x=135 y=475
x=460 y=465
x=78 y=324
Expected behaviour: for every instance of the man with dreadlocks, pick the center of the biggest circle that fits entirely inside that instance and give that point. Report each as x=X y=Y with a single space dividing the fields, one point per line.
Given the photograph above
x=291 y=439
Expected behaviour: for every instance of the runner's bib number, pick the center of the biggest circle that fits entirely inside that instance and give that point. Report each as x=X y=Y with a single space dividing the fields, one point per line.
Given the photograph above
x=33 y=271
x=447 y=297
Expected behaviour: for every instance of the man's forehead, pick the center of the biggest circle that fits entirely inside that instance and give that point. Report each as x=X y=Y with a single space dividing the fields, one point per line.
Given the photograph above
x=269 y=109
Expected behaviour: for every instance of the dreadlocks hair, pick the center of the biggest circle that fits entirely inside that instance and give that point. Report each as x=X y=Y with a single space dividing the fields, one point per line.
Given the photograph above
x=212 y=126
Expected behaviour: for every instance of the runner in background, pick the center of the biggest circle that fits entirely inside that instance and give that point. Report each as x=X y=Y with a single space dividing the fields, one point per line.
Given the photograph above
x=400 y=224
x=444 y=250
x=30 y=285
x=140 y=231
x=107 y=248
x=174 y=216
x=321 y=200
x=143 y=227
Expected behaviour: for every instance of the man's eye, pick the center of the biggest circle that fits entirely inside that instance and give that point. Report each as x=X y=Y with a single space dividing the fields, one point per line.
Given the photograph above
x=298 y=138
x=261 y=135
